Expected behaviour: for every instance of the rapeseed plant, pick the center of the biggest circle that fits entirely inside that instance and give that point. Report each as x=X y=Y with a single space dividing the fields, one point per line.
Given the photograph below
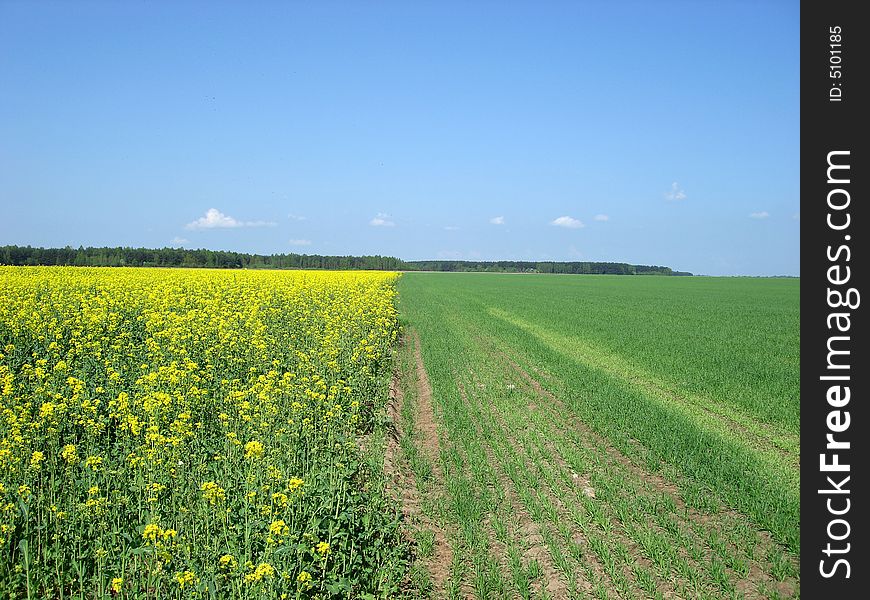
x=160 y=428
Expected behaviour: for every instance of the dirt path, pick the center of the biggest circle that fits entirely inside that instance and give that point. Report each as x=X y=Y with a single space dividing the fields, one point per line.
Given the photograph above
x=425 y=436
x=425 y=422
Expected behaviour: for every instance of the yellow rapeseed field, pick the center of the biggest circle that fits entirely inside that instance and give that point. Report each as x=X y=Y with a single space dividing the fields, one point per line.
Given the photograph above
x=178 y=433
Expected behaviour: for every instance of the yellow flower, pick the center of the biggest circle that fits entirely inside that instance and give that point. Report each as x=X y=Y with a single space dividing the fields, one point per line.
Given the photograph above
x=323 y=548
x=133 y=424
x=96 y=505
x=69 y=454
x=94 y=462
x=263 y=571
x=279 y=527
x=304 y=577
x=151 y=533
x=117 y=582
x=155 y=488
x=212 y=492
x=294 y=484
x=227 y=562
x=35 y=459
x=254 y=450
x=186 y=578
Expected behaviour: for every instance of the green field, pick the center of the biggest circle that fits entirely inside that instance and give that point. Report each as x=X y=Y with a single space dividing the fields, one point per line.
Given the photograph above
x=596 y=436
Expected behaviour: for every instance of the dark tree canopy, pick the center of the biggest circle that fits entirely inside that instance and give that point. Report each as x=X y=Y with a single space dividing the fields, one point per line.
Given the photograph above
x=219 y=259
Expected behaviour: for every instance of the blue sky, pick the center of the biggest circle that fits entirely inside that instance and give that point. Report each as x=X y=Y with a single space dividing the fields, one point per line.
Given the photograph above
x=645 y=132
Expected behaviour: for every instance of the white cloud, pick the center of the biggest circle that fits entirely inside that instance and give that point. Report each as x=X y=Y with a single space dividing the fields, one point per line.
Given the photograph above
x=382 y=220
x=497 y=220
x=293 y=217
x=179 y=241
x=601 y=218
x=759 y=215
x=676 y=192
x=300 y=242
x=451 y=228
x=569 y=222
x=215 y=219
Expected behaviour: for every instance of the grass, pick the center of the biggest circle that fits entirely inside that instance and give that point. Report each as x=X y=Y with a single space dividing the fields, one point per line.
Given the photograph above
x=642 y=432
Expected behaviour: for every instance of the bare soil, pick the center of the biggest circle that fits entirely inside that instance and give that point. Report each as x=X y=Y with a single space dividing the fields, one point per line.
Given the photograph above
x=399 y=472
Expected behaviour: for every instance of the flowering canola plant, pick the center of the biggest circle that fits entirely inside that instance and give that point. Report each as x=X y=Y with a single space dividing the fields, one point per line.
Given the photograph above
x=179 y=433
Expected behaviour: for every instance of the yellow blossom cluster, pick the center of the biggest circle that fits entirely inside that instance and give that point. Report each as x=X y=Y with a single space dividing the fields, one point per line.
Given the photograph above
x=173 y=431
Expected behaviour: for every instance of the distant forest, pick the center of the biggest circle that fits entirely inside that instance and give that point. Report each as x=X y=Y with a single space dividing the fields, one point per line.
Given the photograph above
x=218 y=259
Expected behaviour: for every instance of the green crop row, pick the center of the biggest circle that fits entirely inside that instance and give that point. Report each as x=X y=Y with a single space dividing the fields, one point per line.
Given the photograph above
x=573 y=451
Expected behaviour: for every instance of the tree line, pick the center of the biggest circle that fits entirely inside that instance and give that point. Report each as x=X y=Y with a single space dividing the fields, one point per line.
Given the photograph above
x=180 y=257
x=521 y=266
x=219 y=259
